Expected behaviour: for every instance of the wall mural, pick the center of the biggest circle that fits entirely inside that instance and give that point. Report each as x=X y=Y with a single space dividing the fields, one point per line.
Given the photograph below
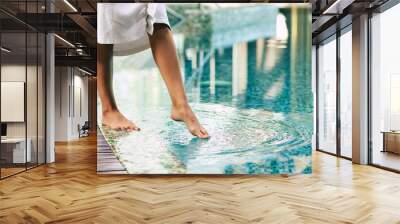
x=246 y=73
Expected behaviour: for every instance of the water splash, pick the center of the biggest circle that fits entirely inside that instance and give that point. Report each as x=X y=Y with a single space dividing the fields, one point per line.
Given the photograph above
x=242 y=141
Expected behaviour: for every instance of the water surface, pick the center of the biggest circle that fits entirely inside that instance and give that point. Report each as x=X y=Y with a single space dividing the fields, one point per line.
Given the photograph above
x=248 y=81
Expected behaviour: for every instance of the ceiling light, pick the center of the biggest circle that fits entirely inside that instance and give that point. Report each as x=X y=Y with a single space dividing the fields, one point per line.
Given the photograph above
x=80 y=51
x=70 y=5
x=337 y=7
x=332 y=6
x=84 y=71
x=5 y=50
x=64 y=40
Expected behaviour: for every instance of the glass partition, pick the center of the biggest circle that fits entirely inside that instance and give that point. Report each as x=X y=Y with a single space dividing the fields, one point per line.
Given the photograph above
x=346 y=93
x=41 y=96
x=13 y=105
x=31 y=99
x=22 y=88
x=327 y=96
x=35 y=88
x=385 y=89
x=41 y=88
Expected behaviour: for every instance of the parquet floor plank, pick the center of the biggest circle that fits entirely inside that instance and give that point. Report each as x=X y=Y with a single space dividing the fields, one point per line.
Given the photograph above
x=70 y=191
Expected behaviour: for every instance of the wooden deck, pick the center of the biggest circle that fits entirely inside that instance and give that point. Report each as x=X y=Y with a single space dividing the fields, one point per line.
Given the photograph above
x=107 y=162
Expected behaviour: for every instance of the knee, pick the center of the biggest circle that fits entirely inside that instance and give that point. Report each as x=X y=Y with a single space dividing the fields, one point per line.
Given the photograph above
x=160 y=27
x=161 y=30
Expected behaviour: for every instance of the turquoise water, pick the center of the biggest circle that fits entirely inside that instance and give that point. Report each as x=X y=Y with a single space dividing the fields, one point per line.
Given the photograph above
x=248 y=81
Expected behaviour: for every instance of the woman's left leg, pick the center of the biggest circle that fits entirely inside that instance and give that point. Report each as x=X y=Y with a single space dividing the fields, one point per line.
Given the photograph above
x=164 y=53
x=112 y=117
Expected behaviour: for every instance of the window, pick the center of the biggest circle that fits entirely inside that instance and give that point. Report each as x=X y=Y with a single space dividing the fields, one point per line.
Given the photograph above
x=327 y=96
x=346 y=93
x=385 y=89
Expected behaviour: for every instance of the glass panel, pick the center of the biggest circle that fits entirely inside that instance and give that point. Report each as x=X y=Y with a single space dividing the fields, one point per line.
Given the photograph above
x=32 y=89
x=13 y=86
x=346 y=94
x=386 y=89
x=314 y=77
x=31 y=100
x=41 y=99
x=23 y=90
x=327 y=96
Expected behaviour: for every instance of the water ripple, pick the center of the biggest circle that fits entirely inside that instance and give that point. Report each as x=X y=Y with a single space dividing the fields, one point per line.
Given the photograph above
x=242 y=141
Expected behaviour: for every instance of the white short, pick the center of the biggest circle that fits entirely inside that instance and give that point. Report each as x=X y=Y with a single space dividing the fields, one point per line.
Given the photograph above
x=127 y=25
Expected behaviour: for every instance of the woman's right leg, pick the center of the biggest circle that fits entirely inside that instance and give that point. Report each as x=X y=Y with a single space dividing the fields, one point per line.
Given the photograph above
x=164 y=53
x=111 y=115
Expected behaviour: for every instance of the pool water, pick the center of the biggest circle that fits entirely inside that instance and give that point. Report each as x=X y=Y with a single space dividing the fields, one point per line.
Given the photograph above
x=249 y=83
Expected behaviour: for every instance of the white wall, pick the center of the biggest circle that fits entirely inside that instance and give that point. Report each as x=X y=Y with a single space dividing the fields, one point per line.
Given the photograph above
x=61 y=103
x=33 y=127
x=80 y=108
x=12 y=73
x=71 y=94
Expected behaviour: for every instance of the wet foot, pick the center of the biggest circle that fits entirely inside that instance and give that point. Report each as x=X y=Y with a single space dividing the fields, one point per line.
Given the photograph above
x=117 y=121
x=186 y=115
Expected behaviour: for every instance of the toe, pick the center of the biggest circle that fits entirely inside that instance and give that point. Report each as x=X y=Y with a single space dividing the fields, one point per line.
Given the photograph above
x=128 y=128
x=204 y=132
x=134 y=128
x=205 y=135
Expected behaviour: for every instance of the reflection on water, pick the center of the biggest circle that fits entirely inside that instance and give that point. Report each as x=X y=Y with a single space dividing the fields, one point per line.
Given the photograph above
x=248 y=80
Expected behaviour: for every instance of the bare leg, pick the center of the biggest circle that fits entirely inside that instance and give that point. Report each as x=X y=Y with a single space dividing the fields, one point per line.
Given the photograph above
x=164 y=53
x=111 y=115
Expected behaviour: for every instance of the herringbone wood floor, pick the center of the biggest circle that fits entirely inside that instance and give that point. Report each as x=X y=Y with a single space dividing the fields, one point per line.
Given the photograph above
x=70 y=191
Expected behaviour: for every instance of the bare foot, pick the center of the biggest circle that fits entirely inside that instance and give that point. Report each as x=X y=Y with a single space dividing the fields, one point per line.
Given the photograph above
x=117 y=121
x=186 y=115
